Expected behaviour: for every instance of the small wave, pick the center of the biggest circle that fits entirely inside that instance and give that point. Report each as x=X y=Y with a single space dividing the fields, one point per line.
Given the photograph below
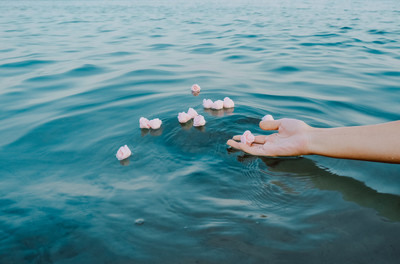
x=25 y=63
x=161 y=46
x=286 y=69
x=377 y=32
x=373 y=51
x=85 y=70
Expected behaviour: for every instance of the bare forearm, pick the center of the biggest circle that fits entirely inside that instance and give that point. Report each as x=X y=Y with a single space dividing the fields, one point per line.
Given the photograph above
x=374 y=142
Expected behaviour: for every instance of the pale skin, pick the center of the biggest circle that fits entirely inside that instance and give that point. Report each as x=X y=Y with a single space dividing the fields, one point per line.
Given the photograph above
x=379 y=142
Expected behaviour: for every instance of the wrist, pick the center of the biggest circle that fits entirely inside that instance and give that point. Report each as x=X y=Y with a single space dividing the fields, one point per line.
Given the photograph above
x=314 y=140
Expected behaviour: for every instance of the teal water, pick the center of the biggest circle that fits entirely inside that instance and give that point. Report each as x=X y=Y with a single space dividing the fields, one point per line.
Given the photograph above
x=75 y=77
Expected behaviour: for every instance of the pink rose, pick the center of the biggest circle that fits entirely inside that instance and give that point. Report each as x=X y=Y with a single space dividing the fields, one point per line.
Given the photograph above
x=192 y=113
x=247 y=138
x=123 y=153
x=183 y=117
x=207 y=103
x=218 y=105
x=228 y=103
x=267 y=118
x=199 y=121
x=144 y=123
x=196 y=88
x=155 y=123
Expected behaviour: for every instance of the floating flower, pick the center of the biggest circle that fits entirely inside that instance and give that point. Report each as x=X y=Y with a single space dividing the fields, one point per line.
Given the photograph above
x=144 y=122
x=192 y=113
x=247 y=137
x=218 y=105
x=267 y=118
x=123 y=153
x=196 y=88
x=183 y=117
x=199 y=121
x=207 y=103
x=155 y=123
x=228 y=103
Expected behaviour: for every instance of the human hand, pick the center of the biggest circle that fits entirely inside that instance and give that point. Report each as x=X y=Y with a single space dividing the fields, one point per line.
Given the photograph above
x=291 y=139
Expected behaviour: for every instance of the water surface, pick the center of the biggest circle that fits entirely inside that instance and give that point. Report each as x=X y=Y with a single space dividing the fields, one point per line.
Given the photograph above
x=75 y=77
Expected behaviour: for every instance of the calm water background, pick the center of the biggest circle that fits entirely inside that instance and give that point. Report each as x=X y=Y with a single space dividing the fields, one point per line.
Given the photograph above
x=75 y=77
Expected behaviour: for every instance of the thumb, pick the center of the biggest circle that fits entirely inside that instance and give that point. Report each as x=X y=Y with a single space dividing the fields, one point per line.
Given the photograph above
x=270 y=124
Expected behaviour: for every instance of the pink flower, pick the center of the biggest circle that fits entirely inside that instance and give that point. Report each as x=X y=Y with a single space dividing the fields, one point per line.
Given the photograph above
x=267 y=118
x=155 y=123
x=144 y=122
x=247 y=138
x=183 y=117
x=192 y=113
x=228 y=103
x=199 y=121
x=196 y=88
x=123 y=153
x=218 y=105
x=207 y=103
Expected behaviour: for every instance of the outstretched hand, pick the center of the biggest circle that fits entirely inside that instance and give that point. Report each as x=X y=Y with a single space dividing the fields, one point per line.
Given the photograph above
x=291 y=139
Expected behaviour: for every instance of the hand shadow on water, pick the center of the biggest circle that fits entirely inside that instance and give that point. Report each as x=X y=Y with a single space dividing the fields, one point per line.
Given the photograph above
x=387 y=205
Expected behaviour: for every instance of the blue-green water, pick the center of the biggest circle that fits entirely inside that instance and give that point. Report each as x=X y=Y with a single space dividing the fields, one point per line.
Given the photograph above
x=75 y=77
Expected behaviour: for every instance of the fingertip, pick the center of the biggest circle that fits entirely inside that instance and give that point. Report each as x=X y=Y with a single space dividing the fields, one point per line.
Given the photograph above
x=270 y=124
x=230 y=142
x=237 y=137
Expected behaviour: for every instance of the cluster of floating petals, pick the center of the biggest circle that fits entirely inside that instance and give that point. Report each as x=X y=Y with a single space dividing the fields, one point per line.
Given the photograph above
x=247 y=138
x=123 y=153
x=219 y=104
x=153 y=124
x=199 y=121
x=267 y=118
x=196 y=88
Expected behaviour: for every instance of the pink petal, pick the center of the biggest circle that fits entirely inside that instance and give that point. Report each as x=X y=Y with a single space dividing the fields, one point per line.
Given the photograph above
x=207 y=103
x=192 y=113
x=228 y=103
x=199 y=121
x=267 y=118
x=196 y=88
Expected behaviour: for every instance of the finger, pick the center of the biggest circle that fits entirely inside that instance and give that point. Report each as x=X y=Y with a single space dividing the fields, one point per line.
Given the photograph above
x=270 y=124
x=237 y=137
x=253 y=150
x=257 y=139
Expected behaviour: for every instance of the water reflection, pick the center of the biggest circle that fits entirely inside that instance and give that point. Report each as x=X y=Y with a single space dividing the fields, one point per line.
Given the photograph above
x=386 y=205
x=195 y=93
x=124 y=162
x=153 y=132
x=188 y=125
x=222 y=112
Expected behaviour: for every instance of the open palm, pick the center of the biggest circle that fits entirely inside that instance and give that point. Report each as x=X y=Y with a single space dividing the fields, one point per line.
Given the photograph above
x=291 y=139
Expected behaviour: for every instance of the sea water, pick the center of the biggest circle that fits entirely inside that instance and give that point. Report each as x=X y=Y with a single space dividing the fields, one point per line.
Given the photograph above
x=75 y=77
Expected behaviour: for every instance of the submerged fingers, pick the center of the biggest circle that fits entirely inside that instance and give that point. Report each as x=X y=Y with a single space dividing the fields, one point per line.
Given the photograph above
x=255 y=149
x=257 y=139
